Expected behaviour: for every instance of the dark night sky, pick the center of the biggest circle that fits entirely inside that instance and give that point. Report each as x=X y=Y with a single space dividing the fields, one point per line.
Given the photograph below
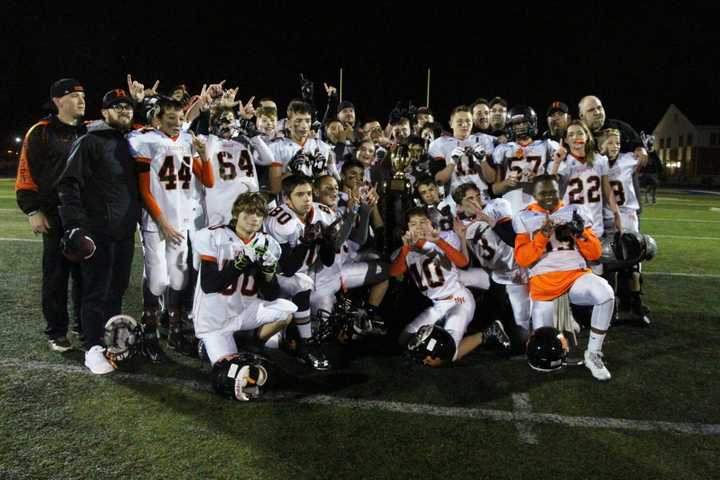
x=638 y=60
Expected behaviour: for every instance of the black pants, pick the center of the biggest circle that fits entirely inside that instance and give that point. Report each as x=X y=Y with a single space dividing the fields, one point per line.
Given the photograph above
x=56 y=270
x=105 y=278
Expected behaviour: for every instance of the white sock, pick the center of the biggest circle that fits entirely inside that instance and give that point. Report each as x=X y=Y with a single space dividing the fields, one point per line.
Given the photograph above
x=595 y=341
x=305 y=329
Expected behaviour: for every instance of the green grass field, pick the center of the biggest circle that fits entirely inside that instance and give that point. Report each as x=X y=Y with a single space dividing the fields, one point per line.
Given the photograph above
x=658 y=418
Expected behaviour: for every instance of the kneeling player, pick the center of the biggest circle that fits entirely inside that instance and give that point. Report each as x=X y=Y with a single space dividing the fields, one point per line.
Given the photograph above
x=553 y=242
x=433 y=265
x=238 y=263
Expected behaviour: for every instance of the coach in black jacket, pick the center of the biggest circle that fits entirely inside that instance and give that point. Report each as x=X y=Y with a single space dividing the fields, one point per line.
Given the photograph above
x=42 y=161
x=99 y=195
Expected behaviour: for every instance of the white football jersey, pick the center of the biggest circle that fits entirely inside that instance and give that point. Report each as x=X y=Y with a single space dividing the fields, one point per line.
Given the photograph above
x=490 y=250
x=620 y=174
x=285 y=149
x=561 y=255
x=216 y=311
x=235 y=173
x=433 y=272
x=465 y=169
x=584 y=187
x=171 y=176
x=284 y=225
x=513 y=158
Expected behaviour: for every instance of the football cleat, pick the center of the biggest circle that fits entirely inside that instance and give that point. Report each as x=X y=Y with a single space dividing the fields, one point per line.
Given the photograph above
x=496 y=333
x=150 y=347
x=594 y=363
x=310 y=353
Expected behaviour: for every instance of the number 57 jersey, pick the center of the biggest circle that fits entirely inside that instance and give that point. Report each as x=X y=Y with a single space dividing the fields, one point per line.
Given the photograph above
x=170 y=161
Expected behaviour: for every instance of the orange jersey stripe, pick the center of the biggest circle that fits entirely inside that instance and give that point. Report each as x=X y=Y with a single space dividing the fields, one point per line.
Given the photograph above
x=548 y=286
x=24 y=180
x=150 y=204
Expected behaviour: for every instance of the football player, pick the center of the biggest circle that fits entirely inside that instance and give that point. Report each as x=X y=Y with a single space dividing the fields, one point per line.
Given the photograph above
x=521 y=158
x=442 y=212
x=169 y=161
x=554 y=242
x=491 y=238
x=349 y=271
x=300 y=226
x=481 y=115
x=584 y=173
x=237 y=285
x=300 y=153
x=433 y=265
x=461 y=156
x=233 y=156
x=622 y=173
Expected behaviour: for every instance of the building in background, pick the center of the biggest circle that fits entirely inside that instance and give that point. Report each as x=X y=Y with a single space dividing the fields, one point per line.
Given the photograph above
x=689 y=146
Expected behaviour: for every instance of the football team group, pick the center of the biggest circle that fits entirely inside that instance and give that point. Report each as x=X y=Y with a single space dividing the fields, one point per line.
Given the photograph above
x=314 y=233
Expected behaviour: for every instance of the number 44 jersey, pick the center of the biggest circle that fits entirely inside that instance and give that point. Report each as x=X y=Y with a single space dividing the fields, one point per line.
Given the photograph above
x=171 y=161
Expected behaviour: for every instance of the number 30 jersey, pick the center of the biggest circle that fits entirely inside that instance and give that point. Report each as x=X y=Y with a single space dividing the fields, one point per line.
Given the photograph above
x=235 y=173
x=172 y=188
x=584 y=186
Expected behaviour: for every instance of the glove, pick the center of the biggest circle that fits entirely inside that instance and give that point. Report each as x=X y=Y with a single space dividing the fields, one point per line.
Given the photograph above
x=457 y=154
x=312 y=234
x=242 y=261
x=576 y=225
x=298 y=163
x=318 y=162
x=479 y=153
x=77 y=245
x=330 y=233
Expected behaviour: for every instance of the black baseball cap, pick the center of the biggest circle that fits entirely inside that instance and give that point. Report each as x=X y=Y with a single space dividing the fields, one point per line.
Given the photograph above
x=499 y=100
x=557 y=106
x=65 y=86
x=345 y=104
x=116 y=96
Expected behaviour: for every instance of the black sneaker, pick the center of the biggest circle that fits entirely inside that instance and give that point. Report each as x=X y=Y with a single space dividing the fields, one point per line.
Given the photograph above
x=496 y=333
x=310 y=353
x=60 y=344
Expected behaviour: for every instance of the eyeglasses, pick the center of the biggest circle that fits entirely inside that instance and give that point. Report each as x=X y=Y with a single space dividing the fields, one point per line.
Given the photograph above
x=122 y=107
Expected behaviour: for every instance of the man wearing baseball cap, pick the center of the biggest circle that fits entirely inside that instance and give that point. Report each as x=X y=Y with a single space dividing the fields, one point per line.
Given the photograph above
x=42 y=160
x=100 y=204
x=557 y=120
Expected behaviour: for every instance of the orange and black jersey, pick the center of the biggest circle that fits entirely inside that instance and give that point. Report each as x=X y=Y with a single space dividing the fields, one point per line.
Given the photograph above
x=43 y=157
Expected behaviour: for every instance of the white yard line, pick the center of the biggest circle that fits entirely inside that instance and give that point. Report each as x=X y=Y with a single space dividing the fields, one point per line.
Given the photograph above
x=685 y=237
x=675 y=220
x=680 y=274
x=521 y=403
x=399 y=407
x=6 y=239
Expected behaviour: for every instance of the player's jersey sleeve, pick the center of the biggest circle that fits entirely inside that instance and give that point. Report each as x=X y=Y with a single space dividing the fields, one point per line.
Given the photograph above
x=499 y=153
x=202 y=245
x=436 y=150
x=141 y=148
x=602 y=166
x=282 y=226
x=498 y=209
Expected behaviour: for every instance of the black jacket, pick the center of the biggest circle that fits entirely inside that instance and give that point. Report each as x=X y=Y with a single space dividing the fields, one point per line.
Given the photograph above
x=42 y=160
x=99 y=187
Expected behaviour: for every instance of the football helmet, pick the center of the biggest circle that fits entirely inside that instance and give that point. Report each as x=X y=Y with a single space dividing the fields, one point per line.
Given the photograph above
x=627 y=249
x=522 y=123
x=547 y=349
x=431 y=344
x=240 y=377
x=123 y=337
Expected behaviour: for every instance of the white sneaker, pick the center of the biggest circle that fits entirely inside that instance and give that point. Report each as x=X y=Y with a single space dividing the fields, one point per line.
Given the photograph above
x=97 y=362
x=594 y=362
